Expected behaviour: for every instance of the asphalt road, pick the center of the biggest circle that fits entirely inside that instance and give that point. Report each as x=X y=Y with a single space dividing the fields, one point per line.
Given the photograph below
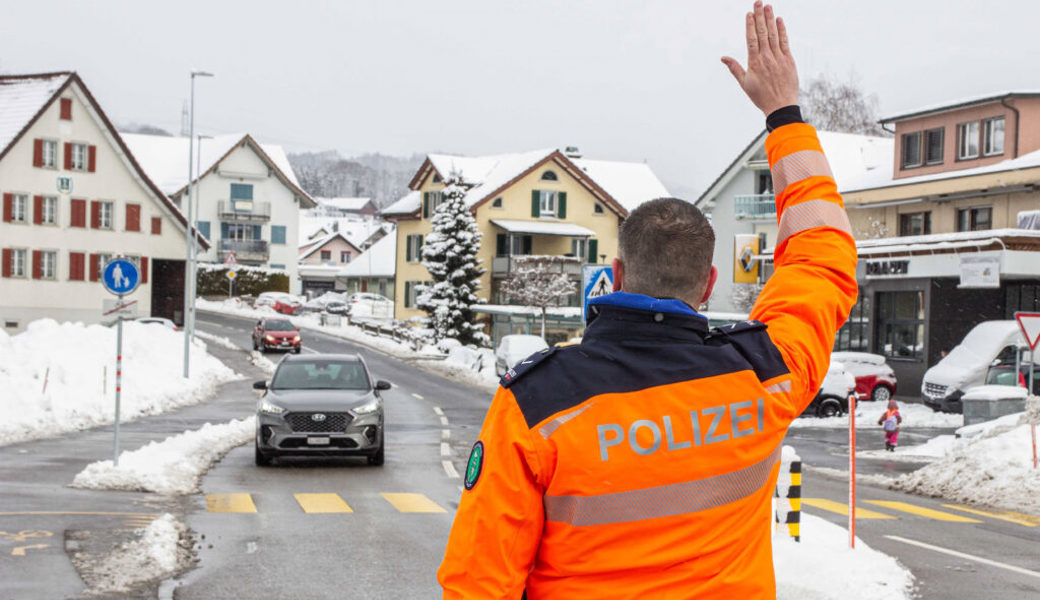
x=317 y=529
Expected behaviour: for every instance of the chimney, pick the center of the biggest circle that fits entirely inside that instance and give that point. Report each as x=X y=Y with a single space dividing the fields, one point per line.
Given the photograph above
x=572 y=152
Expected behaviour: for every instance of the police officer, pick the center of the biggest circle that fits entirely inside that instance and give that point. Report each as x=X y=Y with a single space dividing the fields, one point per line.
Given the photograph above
x=641 y=462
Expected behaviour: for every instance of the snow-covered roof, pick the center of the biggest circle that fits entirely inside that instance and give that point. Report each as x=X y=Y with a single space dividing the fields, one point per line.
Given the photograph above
x=355 y=230
x=940 y=241
x=21 y=98
x=884 y=178
x=500 y=170
x=630 y=183
x=409 y=203
x=165 y=158
x=543 y=228
x=353 y=204
x=319 y=243
x=377 y=261
x=957 y=104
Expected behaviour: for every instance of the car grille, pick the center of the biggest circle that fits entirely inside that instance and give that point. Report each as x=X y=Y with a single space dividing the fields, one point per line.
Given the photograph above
x=935 y=390
x=304 y=423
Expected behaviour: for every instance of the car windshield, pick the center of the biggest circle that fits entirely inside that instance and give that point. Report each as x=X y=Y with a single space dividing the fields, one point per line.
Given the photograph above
x=279 y=326
x=320 y=375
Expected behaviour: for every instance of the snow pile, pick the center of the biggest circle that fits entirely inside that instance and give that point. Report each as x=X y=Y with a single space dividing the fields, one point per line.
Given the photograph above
x=221 y=341
x=161 y=550
x=823 y=567
x=172 y=466
x=77 y=363
x=262 y=362
x=994 y=468
x=868 y=413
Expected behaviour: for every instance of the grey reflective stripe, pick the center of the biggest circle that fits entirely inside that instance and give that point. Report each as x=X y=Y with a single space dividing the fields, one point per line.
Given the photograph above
x=782 y=386
x=798 y=166
x=811 y=214
x=662 y=501
x=548 y=429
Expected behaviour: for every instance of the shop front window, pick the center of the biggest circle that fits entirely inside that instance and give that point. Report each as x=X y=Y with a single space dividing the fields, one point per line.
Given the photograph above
x=900 y=324
x=854 y=334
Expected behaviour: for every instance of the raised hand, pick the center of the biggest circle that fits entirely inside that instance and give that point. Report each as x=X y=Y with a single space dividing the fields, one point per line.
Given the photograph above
x=771 y=78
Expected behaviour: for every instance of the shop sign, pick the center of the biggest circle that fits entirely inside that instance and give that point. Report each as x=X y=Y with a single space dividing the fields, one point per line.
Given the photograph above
x=746 y=249
x=888 y=268
x=980 y=272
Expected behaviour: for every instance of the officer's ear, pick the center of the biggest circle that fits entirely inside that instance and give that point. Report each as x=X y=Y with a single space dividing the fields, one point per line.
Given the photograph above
x=619 y=274
x=713 y=276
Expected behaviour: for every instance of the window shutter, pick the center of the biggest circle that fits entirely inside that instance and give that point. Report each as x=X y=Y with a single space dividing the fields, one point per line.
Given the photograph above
x=500 y=244
x=68 y=156
x=224 y=231
x=95 y=214
x=408 y=250
x=561 y=209
x=66 y=109
x=203 y=228
x=95 y=264
x=144 y=269
x=536 y=201
x=37 y=264
x=79 y=213
x=527 y=244
x=92 y=159
x=133 y=217
x=426 y=205
x=37 y=153
x=256 y=232
x=37 y=210
x=75 y=266
x=157 y=226
x=8 y=208
x=418 y=247
x=407 y=294
x=593 y=252
x=6 y=257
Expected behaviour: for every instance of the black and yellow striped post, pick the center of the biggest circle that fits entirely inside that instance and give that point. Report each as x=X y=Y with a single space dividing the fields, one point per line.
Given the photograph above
x=789 y=493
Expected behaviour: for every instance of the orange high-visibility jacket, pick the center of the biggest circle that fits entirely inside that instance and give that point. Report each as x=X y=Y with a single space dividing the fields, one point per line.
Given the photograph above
x=641 y=463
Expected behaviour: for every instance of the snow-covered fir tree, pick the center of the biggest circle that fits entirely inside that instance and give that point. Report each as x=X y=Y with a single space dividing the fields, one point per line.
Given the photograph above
x=450 y=255
x=540 y=282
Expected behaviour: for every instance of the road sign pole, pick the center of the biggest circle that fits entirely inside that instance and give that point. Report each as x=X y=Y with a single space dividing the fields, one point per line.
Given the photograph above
x=852 y=471
x=119 y=383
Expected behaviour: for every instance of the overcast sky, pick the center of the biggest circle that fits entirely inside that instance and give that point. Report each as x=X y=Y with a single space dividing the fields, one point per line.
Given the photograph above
x=637 y=80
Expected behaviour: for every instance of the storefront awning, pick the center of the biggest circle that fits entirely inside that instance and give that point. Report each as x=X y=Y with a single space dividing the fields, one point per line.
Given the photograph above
x=543 y=228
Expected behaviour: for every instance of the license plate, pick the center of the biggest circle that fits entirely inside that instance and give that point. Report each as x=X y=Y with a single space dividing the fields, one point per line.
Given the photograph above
x=318 y=441
x=284 y=344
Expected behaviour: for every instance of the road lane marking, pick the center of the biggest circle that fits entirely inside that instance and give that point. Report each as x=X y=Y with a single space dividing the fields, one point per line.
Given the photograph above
x=230 y=503
x=310 y=350
x=445 y=434
x=449 y=468
x=28 y=534
x=413 y=503
x=437 y=409
x=322 y=503
x=445 y=449
x=20 y=550
x=417 y=396
x=1003 y=515
x=923 y=512
x=444 y=421
x=843 y=509
x=977 y=559
x=76 y=512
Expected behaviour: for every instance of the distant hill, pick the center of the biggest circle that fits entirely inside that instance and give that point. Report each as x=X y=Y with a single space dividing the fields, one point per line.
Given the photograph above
x=377 y=176
x=144 y=129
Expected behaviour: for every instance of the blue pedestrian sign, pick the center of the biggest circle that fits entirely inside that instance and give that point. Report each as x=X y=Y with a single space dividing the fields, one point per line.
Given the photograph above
x=598 y=281
x=121 y=277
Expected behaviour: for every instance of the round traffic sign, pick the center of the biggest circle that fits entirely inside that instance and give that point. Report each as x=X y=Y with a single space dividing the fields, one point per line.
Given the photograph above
x=230 y=274
x=121 y=277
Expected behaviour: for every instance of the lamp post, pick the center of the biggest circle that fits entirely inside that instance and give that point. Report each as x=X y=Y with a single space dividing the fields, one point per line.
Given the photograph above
x=189 y=265
x=195 y=253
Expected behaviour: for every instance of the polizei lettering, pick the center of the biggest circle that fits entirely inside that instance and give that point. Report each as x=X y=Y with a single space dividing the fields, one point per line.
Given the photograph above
x=709 y=425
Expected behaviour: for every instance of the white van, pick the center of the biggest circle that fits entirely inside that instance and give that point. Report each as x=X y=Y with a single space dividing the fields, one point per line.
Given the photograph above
x=966 y=365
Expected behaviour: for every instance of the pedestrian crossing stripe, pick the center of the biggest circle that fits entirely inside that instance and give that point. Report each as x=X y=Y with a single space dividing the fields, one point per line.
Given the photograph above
x=843 y=509
x=413 y=503
x=322 y=503
x=921 y=511
x=230 y=503
x=1002 y=515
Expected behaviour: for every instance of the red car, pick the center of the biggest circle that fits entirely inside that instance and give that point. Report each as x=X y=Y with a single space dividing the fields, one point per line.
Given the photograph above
x=875 y=380
x=276 y=334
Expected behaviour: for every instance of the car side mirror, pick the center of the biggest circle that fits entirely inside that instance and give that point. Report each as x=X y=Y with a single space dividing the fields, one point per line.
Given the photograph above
x=260 y=385
x=383 y=385
x=297 y=329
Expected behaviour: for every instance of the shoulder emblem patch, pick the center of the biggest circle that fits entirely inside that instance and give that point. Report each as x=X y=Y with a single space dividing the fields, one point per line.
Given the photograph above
x=525 y=366
x=475 y=465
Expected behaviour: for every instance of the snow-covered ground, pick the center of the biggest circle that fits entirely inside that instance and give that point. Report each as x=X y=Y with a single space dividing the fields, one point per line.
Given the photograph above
x=158 y=551
x=172 y=466
x=76 y=365
x=867 y=414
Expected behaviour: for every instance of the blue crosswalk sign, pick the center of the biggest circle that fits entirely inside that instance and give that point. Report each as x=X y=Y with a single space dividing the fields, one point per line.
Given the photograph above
x=121 y=277
x=599 y=281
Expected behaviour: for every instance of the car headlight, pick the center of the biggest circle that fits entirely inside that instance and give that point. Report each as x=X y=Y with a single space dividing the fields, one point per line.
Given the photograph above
x=368 y=407
x=296 y=339
x=271 y=409
x=269 y=338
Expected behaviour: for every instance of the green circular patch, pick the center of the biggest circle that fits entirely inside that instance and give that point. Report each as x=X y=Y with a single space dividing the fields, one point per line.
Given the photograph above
x=475 y=465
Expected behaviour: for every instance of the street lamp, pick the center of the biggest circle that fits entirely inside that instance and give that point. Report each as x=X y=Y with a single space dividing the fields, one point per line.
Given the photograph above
x=195 y=253
x=189 y=266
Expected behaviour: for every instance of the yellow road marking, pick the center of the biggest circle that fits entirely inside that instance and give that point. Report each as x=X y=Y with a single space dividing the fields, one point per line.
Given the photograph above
x=230 y=503
x=413 y=503
x=843 y=509
x=20 y=550
x=921 y=511
x=1003 y=515
x=322 y=503
x=21 y=536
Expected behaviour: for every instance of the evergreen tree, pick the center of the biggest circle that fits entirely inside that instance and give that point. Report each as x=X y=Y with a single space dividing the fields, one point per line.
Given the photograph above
x=450 y=255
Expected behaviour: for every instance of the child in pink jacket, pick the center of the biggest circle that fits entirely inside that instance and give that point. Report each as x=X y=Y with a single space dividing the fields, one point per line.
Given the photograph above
x=891 y=420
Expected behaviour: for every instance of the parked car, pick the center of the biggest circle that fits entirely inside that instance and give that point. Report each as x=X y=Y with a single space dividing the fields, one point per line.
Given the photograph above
x=966 y=366
x=1003 y=373
x=833 y=398
x=276 y=334
x=287 y=304
x=365 y=304
x=875 y=380
x=338 y=308
x=325 y=404
x=157 y=321
x=514 y=348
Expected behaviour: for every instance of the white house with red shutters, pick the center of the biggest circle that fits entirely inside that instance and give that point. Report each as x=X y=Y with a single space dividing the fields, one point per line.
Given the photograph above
x=73 y=198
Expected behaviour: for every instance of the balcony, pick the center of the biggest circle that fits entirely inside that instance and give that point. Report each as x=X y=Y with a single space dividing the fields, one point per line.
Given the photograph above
x=754 y=207
x=502 y=266
x=245 y=250
x=244 y=211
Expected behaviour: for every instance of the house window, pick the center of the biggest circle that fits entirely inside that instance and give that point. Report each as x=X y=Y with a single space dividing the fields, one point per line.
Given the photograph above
x=48 y=264
x=497 y=202
x=203 y=227
x=80 y=154
x=431 y=200
x=597 y=208
x=911 y=149
x=242 y=197
x=344 y=256
x=49 y=210
x=277 y=234
x=411 y=292
x=103 y=259
x=968 y=140
x=18 y=262
x=919 y=223
x=579 y=247
x=104 y=215
x=19 y=208
x=277 y=266
x=437 y=178
x=900 y=324
x=242 y=232
x=521 y=245
x=852 y=337
x=49 y=156
x=763 y=182
x=993 y=136
x=976 y=218
x=413 y=247
x=933 y=146
x=326 y=255
x=549 y=176
x=547 y=203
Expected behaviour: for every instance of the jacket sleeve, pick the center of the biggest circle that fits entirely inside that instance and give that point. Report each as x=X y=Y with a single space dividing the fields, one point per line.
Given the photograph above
x=498 y=525
x=813 y=286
